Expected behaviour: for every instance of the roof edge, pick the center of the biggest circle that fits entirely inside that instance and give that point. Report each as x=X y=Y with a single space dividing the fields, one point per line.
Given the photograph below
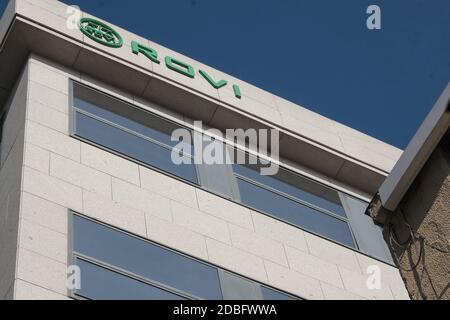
x=417 y=153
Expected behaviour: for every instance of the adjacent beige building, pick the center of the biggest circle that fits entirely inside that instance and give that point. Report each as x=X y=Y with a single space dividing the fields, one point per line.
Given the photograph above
x=82 y=182
x=413 y=205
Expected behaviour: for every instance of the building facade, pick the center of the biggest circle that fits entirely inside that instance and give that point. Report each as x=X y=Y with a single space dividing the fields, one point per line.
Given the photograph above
x=92 y=205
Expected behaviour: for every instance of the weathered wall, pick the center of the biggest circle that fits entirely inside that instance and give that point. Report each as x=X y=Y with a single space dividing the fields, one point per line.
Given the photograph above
x=426 y=208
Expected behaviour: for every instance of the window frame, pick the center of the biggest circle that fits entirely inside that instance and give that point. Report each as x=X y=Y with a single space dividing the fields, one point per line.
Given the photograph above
x=295 y=200
x=72 y=132
x=234 y=192
x=73 y=256
x=122 y=272
x=292 y=198
x=320 y=210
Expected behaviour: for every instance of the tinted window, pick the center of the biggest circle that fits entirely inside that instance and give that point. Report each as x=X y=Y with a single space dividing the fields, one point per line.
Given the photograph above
x=115 y=265
x=269 y=294
x=238 y=288
x=368 y=235
x=295 y=212
x=2 y=121
x=130 y=131
x=99 y=283
x=145 y=259
x=153 y=127
x=132 y=146
x=296 y=186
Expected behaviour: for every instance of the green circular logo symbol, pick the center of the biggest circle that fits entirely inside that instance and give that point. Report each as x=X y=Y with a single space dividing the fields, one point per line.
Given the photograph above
x=100 y=32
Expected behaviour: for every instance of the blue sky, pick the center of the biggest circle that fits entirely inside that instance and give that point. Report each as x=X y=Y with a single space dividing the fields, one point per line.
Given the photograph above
x=316 y=53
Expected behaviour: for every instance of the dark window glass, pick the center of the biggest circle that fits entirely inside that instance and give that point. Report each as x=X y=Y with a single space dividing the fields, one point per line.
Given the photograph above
x=115 y=265
x=294 y=212
x=153 y=128
x=132 y=146
x=368 y=235
x=269 y=294
x=295 y=186
x=235 y=287
x=98 y=283
x=130 y=131
x=145 y=259
x=2 y=122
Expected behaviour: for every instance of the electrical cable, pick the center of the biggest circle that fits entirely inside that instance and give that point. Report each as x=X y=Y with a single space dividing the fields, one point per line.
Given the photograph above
x=411 y=241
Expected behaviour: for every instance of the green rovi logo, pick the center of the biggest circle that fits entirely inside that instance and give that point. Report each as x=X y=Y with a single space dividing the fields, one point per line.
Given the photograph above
x=103 y=34
x=100 y=32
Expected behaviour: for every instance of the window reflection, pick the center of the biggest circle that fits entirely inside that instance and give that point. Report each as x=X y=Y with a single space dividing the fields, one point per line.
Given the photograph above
x=130 y=131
